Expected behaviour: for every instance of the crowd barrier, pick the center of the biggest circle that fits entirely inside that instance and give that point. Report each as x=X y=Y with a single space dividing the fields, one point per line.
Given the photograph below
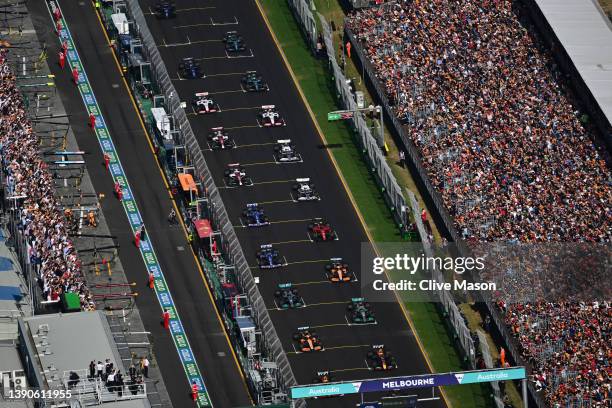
x=374 y=157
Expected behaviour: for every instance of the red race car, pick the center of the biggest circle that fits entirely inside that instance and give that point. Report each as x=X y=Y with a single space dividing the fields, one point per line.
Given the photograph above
x=320 y=230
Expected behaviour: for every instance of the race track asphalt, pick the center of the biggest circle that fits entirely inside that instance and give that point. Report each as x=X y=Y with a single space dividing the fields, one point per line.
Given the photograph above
x=197 y=32
x=197 y=312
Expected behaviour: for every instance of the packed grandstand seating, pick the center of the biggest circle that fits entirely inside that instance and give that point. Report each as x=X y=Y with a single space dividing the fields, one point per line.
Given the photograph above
x=511 y=155
x=31 y=186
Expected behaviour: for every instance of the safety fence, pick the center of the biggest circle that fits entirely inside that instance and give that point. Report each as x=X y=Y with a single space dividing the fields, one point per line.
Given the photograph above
x=270 y=345
x=302 y=11
x=434 y=198
x=489 y=363
x=375 y=159
x=449 y=307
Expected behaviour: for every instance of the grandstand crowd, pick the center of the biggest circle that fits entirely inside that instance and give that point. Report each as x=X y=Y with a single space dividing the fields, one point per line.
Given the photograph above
x=487 y=108
x=30 y=188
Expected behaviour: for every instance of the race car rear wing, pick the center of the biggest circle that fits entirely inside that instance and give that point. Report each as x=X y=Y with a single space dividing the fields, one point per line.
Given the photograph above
x=378 y=346
x=284 y=285
x=201 y=94
x=283 y=141
x=266 y=246
x=357 y=300
x=252 y=205
x=233 y=165
x=335 y=259
x=217 y=128
x=268 y=107
x=303 y=180
x=303 y=328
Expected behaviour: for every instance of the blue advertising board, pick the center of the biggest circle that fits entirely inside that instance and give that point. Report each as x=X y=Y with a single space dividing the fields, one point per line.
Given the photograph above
x=408 y=382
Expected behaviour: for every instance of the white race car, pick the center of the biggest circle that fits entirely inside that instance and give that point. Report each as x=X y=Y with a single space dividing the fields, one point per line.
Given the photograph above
x=218 y=139
x=269 y=117
x=304 y=190
x=202 y=103
x=284 y=152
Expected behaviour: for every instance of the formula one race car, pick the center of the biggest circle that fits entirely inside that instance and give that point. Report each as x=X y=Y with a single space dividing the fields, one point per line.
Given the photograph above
x=307 y=341
x=322 y=377
x=189 y=68
x=319 y=230
x=360 y=311
x=380 y=359
x=236 y=176
x=337 y=271
x=202 y=103
x=288 y=297
x=252 y=82
x=269 y=117
x=218 y=139
x=165 y=9
x=268 y=257
x=284 y=152
x=233 y=42
x=254 y=216
x=305 y=190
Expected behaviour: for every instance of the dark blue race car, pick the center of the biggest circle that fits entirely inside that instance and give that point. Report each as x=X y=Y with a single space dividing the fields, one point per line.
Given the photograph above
x=189 y=68
x=165 y=9
x=254 y=216
x=268 y=257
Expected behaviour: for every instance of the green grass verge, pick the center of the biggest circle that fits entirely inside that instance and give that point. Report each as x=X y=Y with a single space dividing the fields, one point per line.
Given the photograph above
x=316 y=84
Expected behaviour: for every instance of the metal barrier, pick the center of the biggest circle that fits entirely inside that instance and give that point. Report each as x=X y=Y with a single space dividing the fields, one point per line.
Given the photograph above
x=218 y=217
x=301 y=9
x=450 y=308
x=488 y=361
x=392 y=192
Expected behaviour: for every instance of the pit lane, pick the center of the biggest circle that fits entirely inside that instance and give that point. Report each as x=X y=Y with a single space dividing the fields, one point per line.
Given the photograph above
x=197 y=34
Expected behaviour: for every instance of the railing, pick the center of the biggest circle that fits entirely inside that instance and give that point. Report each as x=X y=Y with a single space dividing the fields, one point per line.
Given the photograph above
x=375 y=159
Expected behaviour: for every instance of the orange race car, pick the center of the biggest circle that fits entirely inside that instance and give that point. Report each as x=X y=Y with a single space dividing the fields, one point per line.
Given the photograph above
x=307 y=340
x=338 y=271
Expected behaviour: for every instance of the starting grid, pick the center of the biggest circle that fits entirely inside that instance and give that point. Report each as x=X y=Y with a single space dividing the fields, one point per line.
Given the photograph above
x=164 y=297
x=407 y=382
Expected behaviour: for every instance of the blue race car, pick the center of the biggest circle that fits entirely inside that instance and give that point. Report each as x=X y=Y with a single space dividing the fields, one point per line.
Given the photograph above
x=268 y=257
x=189 y=68
x=254 y=216
x=165 y=9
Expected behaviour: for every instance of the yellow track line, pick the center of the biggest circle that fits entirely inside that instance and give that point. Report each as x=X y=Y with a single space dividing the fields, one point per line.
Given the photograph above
x=344 y=183
x=144 y=128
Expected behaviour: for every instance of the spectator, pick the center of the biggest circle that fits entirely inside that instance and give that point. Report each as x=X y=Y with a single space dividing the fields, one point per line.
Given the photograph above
x=502 y=141
x=31 y=185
